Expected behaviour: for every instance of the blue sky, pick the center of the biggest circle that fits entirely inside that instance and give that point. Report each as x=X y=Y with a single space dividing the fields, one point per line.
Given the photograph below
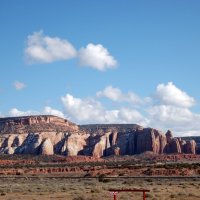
x=102 y=61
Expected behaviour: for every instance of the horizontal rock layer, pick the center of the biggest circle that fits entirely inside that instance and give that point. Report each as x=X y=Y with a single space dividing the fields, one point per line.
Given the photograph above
x=31 y=124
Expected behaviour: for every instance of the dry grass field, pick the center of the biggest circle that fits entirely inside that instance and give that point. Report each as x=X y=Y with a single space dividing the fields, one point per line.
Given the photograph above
x=32 y=178
x=94 y=189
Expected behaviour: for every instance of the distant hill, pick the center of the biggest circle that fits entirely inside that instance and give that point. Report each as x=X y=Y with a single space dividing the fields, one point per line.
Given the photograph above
x=195 y=138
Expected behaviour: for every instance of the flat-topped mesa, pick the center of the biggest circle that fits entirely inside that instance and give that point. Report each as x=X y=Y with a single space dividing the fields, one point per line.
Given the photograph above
x=47 y=135
x=37 y=123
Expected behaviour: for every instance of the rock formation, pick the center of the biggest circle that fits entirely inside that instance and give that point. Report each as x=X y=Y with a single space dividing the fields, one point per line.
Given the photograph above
x=49 y=135
x=173 y=146
x=46 y=147
x=190 y=147
x=169 y=136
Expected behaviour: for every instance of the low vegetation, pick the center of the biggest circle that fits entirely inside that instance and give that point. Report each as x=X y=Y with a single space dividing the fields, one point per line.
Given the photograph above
x=94 y=189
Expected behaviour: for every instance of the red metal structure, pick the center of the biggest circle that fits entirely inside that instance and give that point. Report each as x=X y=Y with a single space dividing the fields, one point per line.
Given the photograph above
x=116 y=191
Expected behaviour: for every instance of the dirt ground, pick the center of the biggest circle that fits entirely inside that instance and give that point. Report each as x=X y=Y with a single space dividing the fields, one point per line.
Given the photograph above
x=40 y=188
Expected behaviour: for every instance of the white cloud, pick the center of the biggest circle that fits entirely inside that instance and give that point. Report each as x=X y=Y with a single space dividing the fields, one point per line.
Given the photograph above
x=162 y=111
x=45 y=49
x=171 y=110
x=115 y=94
x=82 y=110
x=50 y=111
x=91 y=111
x=132 y=116
x=96 y=56
x=171 y=95
x=180 y=120
x=167 y=115
x=109 y=92
x=187 y=133
x=19 y=85
x=14 y=112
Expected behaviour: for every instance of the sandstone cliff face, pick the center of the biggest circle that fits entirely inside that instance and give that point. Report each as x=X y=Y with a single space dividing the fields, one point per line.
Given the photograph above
x=145 y=141
x=75 y=143
x=163 y=143
x=49 y=135
x=46 y=147
x=169 y=136
x=190 y=147
x=173 y=146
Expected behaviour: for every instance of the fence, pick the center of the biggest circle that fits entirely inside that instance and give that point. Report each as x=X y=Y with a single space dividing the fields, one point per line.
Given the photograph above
x=114 y=192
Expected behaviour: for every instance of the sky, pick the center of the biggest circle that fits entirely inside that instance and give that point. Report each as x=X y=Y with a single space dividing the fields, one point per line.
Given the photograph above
x=108 y=61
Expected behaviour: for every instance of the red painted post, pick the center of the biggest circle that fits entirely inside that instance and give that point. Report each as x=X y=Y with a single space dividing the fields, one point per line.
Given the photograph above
x=144 y=196
x=115 y=196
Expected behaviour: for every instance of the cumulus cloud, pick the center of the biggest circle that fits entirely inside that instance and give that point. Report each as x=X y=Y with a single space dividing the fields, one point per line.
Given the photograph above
x=127 y=115
x=96 y=56
x=91 y=111
x=110 y=92
x=169 y=94
x=82 y=110
x=19 y=85
x=115 y=94
x=14 y=112
x=50 y=111
x=171 y=110
x=45 y=49
x=179 y=119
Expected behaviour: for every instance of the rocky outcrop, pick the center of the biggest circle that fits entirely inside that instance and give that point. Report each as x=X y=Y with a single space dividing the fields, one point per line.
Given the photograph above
x=30 y=145
x=173 y=146
x=197 y=142
x=102 y=147
x=169 y=136
x=46 y=147
x=163 y=143
x=131 y=144
x=49 y=135
x=146 y=141
x=190 y=147
x=75 y=143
